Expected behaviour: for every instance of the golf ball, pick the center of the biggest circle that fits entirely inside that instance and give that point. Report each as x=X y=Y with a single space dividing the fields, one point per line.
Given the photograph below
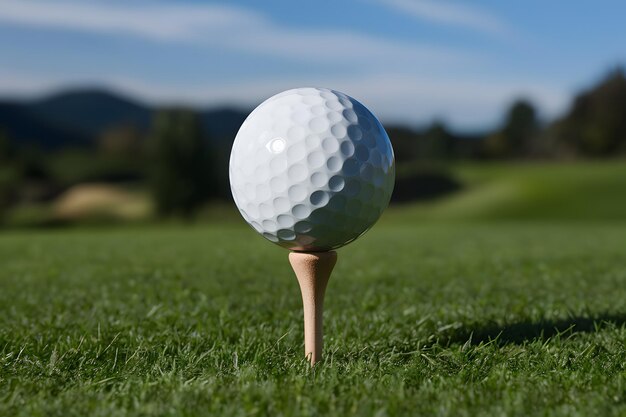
x=311 y=169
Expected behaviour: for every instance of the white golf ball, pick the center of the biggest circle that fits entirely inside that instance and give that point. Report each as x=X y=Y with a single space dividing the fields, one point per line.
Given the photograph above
x=311 y=169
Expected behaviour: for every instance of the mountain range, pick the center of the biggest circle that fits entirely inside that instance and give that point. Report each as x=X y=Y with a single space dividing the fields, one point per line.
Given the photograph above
x=80 y=117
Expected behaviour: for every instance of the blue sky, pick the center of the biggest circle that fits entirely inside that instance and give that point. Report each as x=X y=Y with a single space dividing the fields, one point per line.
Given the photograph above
x=407 y=60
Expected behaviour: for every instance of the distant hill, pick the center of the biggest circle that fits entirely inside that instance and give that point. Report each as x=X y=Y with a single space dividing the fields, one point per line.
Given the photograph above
x=92 y=111
x=223 y=123
x=79 y=117
x=21 y=125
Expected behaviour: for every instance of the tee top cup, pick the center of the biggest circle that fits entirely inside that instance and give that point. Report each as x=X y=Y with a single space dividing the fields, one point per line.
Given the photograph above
x=312 y=169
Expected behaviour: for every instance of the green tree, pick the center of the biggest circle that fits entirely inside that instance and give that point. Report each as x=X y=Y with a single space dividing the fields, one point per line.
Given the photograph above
x=181 y=168
x=516 y=138
x=8 y=174
x=436 y=142
x=433 y=143
x=596 y=123
x=6 y=149
x=122 y=140
x=405 y=143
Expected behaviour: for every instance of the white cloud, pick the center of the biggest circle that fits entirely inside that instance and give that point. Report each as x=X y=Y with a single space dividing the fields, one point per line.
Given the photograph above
x=149 y=20
x=452 y=14
x=381 y=72
x=230 y=27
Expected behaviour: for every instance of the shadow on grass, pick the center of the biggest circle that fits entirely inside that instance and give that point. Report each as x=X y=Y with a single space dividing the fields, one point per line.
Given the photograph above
x=527 y=331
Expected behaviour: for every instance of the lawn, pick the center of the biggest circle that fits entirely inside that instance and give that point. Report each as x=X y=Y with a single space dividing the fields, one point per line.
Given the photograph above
x=590 y=190
x=422 y=318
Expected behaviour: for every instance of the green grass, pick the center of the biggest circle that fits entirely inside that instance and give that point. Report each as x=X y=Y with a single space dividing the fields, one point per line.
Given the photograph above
x=461 y=319
x=531 y=191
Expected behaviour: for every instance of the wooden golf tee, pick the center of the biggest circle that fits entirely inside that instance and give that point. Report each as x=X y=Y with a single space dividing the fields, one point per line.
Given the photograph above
x=313 y=270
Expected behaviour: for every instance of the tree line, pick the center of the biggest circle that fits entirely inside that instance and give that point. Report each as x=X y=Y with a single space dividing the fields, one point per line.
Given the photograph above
x=594 y=126
x=184 y=168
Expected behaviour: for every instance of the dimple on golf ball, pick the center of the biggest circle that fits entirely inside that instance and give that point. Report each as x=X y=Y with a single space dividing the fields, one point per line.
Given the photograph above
x=311 y=169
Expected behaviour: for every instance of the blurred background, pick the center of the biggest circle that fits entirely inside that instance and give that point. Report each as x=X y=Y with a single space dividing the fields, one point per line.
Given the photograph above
x=125 y=112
